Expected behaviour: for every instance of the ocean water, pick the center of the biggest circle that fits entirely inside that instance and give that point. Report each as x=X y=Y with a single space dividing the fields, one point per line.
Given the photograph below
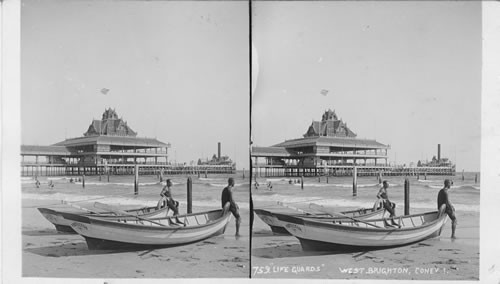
x=464 y=194
x=120 y=190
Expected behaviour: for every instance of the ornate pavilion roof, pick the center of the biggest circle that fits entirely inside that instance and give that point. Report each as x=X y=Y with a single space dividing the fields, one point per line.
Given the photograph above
x=330 y=125
x=332 y=142
x=110 y=124
x=113 y=140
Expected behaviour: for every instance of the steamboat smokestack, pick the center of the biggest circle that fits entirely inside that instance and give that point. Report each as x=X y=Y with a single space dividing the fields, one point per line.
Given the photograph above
x=439 y=152
x=218 y=150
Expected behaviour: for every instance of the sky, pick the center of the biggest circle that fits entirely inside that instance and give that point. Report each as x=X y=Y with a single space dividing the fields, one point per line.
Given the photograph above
x=407 y=74
x=177 y=71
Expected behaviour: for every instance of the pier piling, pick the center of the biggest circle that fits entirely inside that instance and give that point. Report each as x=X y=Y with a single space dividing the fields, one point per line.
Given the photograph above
x=463 y=178
x=136 y=180
x=189 y=195
x=407 y=196
x=108 y=175
x=326 y=179
x=83 y=181
x=243 y=173
x=302 y=182
x=354 y=181
x=205 y=173
x=475 y=180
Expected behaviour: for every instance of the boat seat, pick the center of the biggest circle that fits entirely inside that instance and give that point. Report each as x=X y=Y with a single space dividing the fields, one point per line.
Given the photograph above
x=192 y=220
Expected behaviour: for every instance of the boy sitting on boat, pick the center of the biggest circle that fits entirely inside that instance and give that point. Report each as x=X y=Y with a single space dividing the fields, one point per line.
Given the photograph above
x=167 y=200
x=388 y=205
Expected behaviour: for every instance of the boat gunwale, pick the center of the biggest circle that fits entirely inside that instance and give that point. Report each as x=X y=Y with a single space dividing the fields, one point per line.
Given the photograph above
x=341 y=227
x=107 y=214
x=112 y=223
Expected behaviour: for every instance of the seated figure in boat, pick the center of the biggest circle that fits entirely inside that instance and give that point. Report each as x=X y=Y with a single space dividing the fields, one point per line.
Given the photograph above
x=388 y=205
x=450 y=210
x=227 y=196
x=167 y=200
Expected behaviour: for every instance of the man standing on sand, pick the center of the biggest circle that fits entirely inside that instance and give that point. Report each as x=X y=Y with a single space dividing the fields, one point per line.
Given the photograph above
x=227 y=196
x=450 y=210
x=166 y=199
x=388 y=205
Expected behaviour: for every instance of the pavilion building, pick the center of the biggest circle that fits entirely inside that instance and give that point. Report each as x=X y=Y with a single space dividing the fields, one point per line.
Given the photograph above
x=108 y=143
x=327 y=147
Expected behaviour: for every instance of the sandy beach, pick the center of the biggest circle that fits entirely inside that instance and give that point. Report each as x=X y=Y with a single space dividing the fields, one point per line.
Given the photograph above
x=281 y=256
x=47 y=253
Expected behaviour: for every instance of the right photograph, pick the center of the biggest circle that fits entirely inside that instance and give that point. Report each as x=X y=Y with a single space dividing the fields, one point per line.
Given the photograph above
x=366 y=134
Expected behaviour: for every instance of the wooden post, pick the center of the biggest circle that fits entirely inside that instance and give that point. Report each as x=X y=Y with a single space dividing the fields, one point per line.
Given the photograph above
x=302 y=182
x=418 y=176
x=326 y=179
x=354 y=181
x=108 y=174
x=475 y=180
x=425 y=175
x=189 y=195
x=83 y=181
x=206 y=173
x=243 y=173
x=463 y=178
x=319 y=179
x=198 y=173
x=136 y=180
x=407 y=197
x=100 y=177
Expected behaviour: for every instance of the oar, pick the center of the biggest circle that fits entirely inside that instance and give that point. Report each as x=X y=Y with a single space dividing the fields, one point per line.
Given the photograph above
x=124 y=213
x=295 y=208
x=322 y=209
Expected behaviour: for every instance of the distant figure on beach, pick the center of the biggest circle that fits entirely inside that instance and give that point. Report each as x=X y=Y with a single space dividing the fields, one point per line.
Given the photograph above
x=37 y=183
x=167 y=200
x=256 y=184
x=269 y=186
x=450 y=210
x=51 y=184
x=71 y=180
x=388 y=205
x=227 y=196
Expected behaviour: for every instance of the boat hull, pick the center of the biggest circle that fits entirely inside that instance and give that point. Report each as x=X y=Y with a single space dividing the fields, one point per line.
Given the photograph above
x=62 y=225
x=108 y=234
x=323 y=236
x=277 y=226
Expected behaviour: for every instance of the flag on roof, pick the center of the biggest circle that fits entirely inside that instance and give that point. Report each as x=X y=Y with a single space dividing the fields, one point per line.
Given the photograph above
x=104 y=91
x=324 y=92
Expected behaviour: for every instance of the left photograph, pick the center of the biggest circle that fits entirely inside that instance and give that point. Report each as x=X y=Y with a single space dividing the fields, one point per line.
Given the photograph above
x=135 y=134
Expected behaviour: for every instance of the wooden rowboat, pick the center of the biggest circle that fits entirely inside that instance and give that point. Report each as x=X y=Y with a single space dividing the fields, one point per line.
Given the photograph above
x=131 y=232
x=277 y=226
x=63 y=225
x=345 y=235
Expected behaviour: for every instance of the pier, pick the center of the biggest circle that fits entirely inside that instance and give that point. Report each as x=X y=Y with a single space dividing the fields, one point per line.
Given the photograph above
x=120 y=169
x=297 y=171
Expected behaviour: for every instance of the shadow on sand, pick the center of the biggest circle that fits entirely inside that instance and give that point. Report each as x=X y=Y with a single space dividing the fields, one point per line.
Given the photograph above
x=46 y=232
